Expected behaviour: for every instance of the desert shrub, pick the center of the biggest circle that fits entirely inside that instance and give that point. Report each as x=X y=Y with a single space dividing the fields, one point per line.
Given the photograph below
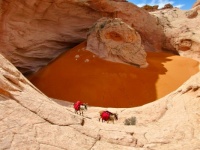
x=130 y=121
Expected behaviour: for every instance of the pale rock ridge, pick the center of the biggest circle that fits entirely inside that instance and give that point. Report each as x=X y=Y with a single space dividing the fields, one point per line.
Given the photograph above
x=182 y=30
x=33 y=32
x=14 y=85
x=114 y=40
x=30 y=120
x=197 y=3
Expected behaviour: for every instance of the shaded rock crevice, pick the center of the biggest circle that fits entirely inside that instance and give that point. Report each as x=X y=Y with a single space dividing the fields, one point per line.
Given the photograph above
x=97 y=139
x=11 y=142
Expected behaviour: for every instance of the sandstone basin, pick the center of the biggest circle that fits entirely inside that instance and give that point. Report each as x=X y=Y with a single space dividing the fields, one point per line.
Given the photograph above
x=80 y=75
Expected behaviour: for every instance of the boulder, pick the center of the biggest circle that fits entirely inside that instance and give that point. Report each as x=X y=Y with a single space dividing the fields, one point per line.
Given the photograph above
x=114 y=40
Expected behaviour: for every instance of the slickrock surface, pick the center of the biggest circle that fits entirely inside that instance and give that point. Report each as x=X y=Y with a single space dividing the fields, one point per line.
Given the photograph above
x=114 y=40
x=182 y=30
x=33 y=32
x=107 y=84
x=30 y=120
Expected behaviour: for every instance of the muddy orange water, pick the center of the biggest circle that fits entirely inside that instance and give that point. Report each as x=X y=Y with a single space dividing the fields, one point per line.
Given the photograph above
x=102 y=83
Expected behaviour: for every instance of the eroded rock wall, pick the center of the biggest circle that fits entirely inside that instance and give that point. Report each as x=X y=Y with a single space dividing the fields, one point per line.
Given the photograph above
x=182 y=30
x=33 y=32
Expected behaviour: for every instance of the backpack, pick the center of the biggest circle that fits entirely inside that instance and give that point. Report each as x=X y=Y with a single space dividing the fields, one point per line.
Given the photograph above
x=77 y=105
x=105 y=115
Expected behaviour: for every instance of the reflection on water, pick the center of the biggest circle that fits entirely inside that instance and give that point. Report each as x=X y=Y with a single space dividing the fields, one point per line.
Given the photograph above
x=80 y=75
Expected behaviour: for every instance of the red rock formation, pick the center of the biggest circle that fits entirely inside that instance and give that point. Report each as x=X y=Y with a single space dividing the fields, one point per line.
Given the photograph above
x=114 y=40
x=150 y=8
x=33 y=32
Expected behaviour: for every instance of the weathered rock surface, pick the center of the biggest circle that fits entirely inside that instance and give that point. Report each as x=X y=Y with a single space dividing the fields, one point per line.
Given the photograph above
x=33 y=32
x=30 y=120
x=197 y=3
x=182 y=30
x=114 y=40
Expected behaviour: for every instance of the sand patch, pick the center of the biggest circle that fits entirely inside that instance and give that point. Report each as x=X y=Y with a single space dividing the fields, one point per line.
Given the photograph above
x=80 y=75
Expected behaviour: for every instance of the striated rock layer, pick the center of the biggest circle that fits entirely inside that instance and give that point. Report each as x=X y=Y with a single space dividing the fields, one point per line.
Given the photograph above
x=114 y=40
x=30 y=120
x=33 y=32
